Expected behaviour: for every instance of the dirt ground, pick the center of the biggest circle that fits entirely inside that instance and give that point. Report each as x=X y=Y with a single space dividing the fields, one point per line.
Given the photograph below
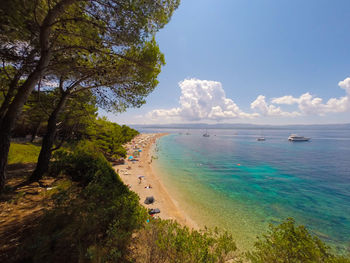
x=21 y=206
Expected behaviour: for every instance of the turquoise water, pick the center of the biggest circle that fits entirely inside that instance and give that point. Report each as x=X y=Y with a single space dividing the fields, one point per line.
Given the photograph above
x=237 y=183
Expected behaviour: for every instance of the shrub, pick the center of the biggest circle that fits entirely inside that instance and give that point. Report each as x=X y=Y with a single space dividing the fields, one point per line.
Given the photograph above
x=90 y=223
x=287 y=243
x=167 y=241
x=109 y=137
x=82 y=164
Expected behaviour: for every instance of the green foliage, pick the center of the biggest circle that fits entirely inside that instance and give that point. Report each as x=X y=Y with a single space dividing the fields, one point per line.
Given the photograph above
x=82 y=164
x=23 y=153
x=287 y=243
x=107 y=46
x=109 y=137
x=35 y=114
x=167 y=241
x=78 y=114
x=5 y=73
x=59 y=186
x=90 y=223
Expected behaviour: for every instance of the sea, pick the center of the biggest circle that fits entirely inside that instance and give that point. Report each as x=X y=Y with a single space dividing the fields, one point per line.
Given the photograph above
x=236 y=183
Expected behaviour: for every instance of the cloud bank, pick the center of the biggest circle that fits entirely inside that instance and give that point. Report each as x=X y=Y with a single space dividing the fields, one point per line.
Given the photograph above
x=205 y=100
x=310 y=105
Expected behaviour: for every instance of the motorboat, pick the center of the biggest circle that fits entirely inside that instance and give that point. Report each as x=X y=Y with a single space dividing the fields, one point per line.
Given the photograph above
x=297 y=138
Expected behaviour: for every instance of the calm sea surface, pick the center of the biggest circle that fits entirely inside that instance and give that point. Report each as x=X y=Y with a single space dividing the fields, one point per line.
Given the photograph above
x=235 y=182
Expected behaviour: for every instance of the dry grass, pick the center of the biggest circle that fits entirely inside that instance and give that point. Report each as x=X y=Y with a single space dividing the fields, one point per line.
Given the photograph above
x=21 y=207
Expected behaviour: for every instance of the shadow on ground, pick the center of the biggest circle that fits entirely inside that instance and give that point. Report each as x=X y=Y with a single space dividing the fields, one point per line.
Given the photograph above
x=21 y=206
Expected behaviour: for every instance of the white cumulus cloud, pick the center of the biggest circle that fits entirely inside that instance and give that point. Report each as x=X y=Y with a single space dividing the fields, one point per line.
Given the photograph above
x=289 y=100
x=265 y=109
x=310 y=105
x=202 y=100
x=345 y=84
x=206 y=100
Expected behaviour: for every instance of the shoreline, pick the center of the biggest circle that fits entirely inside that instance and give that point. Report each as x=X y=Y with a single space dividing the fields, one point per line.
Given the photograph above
x=143 y=167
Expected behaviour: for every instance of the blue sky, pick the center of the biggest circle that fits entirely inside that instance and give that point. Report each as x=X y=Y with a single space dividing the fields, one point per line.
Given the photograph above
x=228 y=61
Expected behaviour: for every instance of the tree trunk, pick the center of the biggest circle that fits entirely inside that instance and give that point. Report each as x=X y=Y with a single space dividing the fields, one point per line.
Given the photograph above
x=4 y=150
x=45 y=153
x=35 y=131
x=14 y=83
x=8 y=121
x=9 y=96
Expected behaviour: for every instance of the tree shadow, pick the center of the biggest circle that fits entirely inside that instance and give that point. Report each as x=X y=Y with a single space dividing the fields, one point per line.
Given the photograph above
x=21 y=207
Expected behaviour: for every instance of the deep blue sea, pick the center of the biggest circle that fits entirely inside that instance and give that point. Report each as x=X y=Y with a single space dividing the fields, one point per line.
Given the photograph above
x=235 y=182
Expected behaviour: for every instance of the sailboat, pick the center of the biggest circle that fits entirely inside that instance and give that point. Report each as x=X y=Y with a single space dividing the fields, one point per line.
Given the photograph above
x=261 y=138
x=206 y=134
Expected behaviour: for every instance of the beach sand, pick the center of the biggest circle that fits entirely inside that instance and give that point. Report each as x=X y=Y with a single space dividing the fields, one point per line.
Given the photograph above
x=169 y=208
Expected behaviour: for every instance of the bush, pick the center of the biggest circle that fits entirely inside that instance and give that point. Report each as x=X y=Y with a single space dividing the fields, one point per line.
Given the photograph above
x=167 y=241
x=90 y=223
x=82 y=164
x=287 y=243
x=109 y=137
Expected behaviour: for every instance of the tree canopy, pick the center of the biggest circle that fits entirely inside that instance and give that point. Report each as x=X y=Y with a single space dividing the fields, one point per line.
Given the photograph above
x=106 y=46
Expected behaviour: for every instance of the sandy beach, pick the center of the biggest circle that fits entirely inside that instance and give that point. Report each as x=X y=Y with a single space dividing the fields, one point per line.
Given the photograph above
x=141 y=166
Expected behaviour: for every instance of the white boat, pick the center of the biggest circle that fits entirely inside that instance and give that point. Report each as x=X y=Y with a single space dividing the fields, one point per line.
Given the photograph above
x=261 y=138
x=206 y=134
x=297 y=138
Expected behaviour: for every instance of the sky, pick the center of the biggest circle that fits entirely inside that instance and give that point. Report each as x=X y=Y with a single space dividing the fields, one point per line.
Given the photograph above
x=256 y=61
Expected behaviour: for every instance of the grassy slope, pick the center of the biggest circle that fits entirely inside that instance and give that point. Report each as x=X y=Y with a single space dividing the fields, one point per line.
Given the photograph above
x=23 y=153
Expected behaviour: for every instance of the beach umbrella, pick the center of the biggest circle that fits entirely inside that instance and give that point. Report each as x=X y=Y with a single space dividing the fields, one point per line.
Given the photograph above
x=141 y=176
x=149 y=200
x=153 y=211
x=131 y=157
x=140 y=150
